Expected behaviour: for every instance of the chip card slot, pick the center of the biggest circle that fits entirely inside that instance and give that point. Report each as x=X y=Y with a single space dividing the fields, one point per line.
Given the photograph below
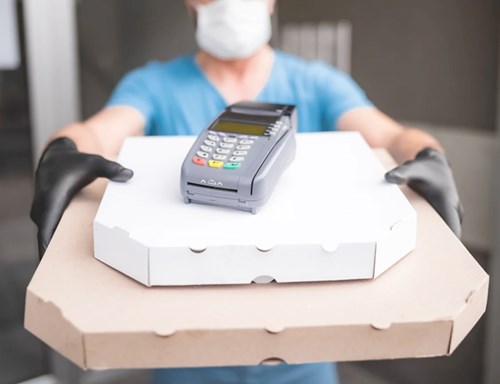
x=212 y=187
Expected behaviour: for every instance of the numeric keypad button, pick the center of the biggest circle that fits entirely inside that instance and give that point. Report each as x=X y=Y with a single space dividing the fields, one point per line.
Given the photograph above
x=213 y=137
x=202 y=154
x=236 y=159
x=240 y=153
x=219 y=157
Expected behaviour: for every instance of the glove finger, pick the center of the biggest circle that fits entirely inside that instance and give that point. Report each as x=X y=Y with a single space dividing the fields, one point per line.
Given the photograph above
x=112 y=170
x=461 y=212
x=429 y=152
x=42 y=245
x=400 y=174
x=54 y=209
x=451 y=216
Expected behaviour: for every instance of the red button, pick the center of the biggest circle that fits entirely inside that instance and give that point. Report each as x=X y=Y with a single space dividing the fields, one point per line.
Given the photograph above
x=199 y=160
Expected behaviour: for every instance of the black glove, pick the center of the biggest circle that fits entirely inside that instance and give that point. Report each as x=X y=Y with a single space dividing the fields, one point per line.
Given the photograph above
x=430 y=176
x=61 y=173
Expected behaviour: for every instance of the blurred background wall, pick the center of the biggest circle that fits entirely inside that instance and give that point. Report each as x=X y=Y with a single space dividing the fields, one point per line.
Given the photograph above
x=429 y=61
x=430 y=64
x=419 y=61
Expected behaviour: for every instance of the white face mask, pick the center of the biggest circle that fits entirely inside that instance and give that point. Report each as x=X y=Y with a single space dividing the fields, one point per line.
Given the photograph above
x=233 y=29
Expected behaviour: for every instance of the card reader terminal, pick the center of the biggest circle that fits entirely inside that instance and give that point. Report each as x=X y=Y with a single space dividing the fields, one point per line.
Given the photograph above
x=238 y=159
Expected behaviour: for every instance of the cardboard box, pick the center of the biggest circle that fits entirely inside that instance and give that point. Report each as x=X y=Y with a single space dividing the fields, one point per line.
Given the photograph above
x=331 y=217
x=99 y=318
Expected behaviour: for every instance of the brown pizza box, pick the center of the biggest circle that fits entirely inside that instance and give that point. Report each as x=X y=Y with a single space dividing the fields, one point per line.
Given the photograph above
x=101 y=319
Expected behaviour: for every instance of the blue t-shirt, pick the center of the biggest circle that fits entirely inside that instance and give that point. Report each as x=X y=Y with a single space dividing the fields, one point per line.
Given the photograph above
x=176 y=98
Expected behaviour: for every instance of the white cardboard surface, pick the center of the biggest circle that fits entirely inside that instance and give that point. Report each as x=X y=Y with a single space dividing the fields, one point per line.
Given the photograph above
x=332 y=216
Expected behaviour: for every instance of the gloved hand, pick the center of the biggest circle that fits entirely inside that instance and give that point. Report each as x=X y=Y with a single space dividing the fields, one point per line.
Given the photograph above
x=61 y=173
x=430 y=176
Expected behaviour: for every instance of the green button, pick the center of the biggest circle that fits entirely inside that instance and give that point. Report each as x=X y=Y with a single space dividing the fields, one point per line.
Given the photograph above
x=232 y=165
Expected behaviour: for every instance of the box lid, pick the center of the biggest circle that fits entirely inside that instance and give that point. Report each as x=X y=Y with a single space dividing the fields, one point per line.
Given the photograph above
x=332 y=217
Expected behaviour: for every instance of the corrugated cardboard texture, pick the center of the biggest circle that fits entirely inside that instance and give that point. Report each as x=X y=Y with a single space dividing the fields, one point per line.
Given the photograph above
x=99 y=318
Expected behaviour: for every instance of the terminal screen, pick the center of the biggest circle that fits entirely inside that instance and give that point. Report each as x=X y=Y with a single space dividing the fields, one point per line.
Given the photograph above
x=241 y=128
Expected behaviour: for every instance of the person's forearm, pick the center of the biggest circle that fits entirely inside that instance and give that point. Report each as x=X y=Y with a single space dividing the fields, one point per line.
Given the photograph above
x=85 y=139
x=379 y=130
x=409 y=142
x=104 y=133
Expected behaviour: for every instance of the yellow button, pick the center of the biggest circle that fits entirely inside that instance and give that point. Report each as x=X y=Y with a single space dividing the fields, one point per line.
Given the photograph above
x=215 y=164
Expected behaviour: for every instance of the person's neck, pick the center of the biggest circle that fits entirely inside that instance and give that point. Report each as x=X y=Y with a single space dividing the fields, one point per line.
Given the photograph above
x=238 y=80
x=236 y=69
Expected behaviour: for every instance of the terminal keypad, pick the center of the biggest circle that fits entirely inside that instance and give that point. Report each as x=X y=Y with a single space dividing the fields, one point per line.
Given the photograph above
x=220 y=147
x=233 y=148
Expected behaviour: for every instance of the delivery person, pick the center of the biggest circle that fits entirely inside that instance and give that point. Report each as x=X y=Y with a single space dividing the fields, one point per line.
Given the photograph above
x=182 y=96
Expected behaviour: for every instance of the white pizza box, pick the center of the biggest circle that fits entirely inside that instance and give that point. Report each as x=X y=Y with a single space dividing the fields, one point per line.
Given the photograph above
x=331 y=217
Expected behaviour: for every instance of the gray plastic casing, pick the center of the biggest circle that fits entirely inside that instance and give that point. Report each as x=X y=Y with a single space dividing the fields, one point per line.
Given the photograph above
x=249 y=187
